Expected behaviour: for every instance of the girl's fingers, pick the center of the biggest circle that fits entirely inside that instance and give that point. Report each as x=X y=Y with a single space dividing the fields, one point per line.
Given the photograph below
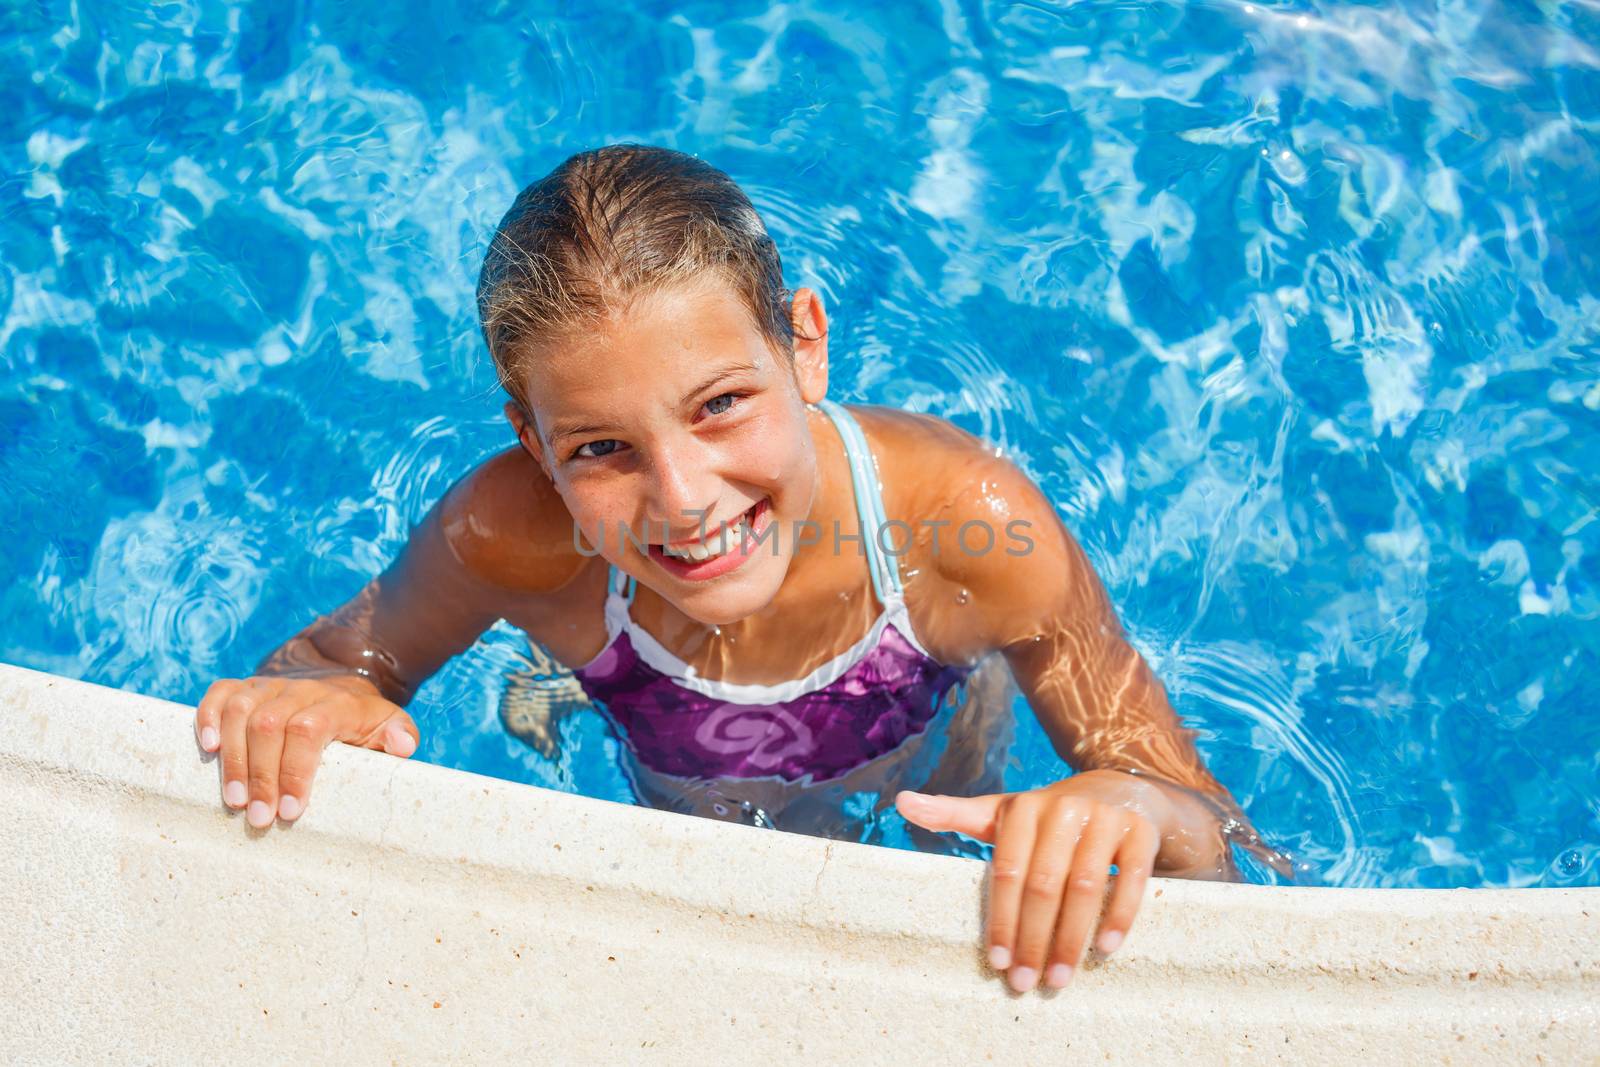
x=208 y=715
x=306 y=733
x=264 y=734
x=1059 y=828
x=390 y=730
x=1014 y=835
x=1086 y=889
x=1135 y=860
x=236 y=709
x=400 y=735
x=973 y=816
x=270 y=734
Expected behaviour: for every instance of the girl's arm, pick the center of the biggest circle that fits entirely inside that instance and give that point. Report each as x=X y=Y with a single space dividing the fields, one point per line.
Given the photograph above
x=346 y=676
x=1104 y=709
x=1142 y=798
x=404 y=624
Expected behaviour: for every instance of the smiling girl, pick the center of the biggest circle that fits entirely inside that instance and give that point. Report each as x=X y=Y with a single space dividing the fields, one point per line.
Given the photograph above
x=771 y=597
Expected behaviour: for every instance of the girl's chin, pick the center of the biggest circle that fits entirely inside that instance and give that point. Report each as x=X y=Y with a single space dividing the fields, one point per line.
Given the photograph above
x=724 y=605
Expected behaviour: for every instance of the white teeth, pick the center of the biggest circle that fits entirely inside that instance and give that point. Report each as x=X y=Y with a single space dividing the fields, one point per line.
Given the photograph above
x=700 y=551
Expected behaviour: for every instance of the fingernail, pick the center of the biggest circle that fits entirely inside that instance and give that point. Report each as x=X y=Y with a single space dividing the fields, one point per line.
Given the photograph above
x=999 y=957
x=288 y=807
x=1023 y=978
x=208 y=739
x=400 y=743
x=1060 y=975
x=259 y=815
x=234 y=793
x=1109 y=941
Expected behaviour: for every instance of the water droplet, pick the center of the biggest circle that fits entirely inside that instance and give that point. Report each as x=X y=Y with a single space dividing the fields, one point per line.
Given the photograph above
x=1569 y=862
x=963 y=596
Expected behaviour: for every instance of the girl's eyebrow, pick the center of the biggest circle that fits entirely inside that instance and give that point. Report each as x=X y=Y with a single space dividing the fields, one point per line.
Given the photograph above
x=580 y=429
x=717 y=376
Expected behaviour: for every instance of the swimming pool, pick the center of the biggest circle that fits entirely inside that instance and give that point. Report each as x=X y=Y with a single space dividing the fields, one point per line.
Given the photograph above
x=1294 y=310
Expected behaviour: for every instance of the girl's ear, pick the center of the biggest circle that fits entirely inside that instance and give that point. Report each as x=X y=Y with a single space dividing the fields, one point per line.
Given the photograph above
x=810 y=345
x=526 y=434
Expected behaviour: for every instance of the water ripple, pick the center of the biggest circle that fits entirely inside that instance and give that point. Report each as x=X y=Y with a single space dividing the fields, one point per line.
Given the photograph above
x=1289 y=307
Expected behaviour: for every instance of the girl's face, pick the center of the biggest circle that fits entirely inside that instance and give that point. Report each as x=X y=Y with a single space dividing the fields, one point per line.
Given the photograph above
x=676 y=427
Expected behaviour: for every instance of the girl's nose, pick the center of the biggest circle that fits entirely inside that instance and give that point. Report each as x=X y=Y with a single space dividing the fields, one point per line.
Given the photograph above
x=683 y=486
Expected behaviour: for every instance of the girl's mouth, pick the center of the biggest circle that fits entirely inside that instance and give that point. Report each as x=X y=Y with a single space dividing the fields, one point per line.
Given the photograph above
x=721 y=551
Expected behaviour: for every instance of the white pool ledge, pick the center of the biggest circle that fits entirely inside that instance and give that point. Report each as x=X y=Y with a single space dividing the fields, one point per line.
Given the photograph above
x=418 y=914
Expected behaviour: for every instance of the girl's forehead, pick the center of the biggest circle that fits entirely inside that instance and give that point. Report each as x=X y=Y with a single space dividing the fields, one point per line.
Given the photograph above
x=663 y=344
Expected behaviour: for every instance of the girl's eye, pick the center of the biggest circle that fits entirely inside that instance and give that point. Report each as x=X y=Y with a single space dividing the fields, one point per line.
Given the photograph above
x=596 y=449
x=717 y=405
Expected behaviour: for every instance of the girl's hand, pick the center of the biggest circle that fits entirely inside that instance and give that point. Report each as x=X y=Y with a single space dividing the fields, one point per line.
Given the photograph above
x=1052 y=850
x=272 y=732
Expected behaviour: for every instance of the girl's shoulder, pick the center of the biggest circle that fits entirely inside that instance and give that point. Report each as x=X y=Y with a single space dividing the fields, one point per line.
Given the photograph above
x=507 y=525
x=928 y=465
x=939 y=479
x=982 y=534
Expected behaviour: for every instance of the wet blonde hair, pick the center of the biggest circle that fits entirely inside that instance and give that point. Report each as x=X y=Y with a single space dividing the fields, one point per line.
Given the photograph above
x=613 y=224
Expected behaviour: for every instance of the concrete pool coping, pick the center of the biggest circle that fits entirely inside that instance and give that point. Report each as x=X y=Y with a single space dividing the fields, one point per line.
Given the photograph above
x=418 y=913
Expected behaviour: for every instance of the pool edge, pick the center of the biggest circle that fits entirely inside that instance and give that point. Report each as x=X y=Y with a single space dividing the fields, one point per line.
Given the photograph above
x=417 y=911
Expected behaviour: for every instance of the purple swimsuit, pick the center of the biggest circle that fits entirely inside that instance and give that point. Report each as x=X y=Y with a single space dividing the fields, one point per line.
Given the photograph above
x=852 y=709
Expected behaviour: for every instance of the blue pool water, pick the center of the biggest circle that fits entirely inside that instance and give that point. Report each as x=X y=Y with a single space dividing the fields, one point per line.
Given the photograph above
x=1293 y=309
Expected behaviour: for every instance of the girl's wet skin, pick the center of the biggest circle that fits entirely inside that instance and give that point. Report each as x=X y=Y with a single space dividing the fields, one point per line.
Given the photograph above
x=501 y=545
x=676 y=412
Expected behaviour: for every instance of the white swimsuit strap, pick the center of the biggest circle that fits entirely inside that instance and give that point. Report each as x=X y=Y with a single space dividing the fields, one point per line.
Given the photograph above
x=869 y=504
x=619 y=585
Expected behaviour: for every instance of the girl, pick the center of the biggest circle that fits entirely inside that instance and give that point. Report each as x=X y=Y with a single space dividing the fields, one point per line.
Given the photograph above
x=776 y=601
